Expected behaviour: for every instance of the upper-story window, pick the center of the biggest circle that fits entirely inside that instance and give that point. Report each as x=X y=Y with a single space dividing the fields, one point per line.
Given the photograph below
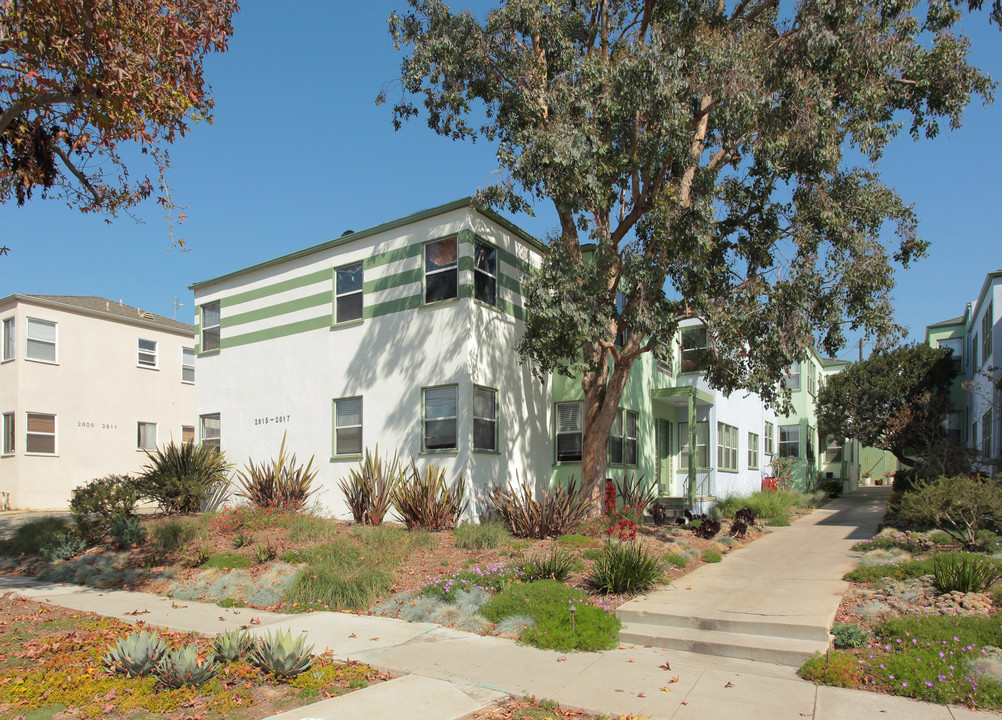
x=8 y=338
x=792 y=380
x=188 y=365
x=485 y=273
x=41 y=340
x=147 y=353
x=348 y=293
x=694 y=348
x=210 y=326
x=441 y=270
x=789 y=441
x=986 y=334
x=40 y=435
x=812 y=379
x=956 y=346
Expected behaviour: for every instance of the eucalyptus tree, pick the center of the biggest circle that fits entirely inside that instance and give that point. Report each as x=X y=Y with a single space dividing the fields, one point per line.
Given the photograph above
x=714 y=160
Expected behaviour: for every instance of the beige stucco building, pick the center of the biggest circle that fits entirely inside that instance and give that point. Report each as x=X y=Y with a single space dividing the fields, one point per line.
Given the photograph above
x=86 y=385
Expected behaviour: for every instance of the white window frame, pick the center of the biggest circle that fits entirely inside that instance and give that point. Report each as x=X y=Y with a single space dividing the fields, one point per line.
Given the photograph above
x=187 y=353
x=342 y=296
x=727 y=447
x=753 y=441
x=702 y=445
x=792 y=381
x=484 y=273
x=785 y=445
x=140 y=435
x=425 y=420
x=204 y=328
x=28 y=339
x=693 y=359
x=770 y=439
x=339 y=428
x=28 y=434
x=9 y=339
x=453 y=268
x=568 y=430
x=485 y=420
x=207 y=439
x=834 y=451
x=9 y=434
x=146 y=358
x=812 y=379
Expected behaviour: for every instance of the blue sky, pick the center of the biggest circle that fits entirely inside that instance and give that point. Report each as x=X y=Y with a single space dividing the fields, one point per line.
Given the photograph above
x=299 y=153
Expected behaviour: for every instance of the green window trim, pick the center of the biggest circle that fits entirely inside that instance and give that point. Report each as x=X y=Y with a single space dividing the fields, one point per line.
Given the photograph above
x=702 y=446
x=727 y=447
x=348 y=293
x=753 y=450
x=987 y=321
x=444 y=273
x=568 y=432
x=623 y=446
x=347 y=421
x=770 y=439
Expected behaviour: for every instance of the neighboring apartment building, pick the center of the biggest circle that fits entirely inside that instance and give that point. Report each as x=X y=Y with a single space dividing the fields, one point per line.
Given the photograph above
x=86 y=385
x=404 y=335
x=975 y=340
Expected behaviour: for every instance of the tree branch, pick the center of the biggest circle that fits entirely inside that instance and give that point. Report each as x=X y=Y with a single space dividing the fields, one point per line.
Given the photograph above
x=76 y=173
x=15 y=109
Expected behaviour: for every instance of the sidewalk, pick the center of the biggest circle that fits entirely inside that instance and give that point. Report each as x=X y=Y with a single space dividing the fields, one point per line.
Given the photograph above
x=449 y=673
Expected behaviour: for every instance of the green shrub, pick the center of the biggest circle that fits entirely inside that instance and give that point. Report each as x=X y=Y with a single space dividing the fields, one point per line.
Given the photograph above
x=939 y=537
x=31 y=537
x=626 y=568
x=965 y=572
x=575 y=541
x=679 y=561
x=905 y=480
x=557 y=565
x=592 y=554
x=173 y=535
x=227 y=561
x=311 y=528
x=480 y=537
x=424 y=500
x=126 y=531
x=63 y=547
x=882 y=542
x=283 y=484
x=849 y=635
x=92 y=506
x=493 y=578
x=548 y=602
x=989 y=542
x=778 y=521
x=633 y=493
x=831 y=487
x=368 y=490
x=838 y=669
x=711 y=556
x=180 y=477
x=960 y=505
x=559 y=511
x=904 y=571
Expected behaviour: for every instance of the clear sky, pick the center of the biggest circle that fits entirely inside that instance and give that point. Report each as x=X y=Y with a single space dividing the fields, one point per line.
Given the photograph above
x=299 y=153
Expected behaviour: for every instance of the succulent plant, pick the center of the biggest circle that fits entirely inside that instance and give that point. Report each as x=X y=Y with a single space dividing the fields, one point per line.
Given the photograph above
x=281 y=655
x=231 y=645
x=184 y=666
x=136 y=654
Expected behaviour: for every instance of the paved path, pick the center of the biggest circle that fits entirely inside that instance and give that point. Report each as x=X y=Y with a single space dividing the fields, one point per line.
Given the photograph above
x=447 y=673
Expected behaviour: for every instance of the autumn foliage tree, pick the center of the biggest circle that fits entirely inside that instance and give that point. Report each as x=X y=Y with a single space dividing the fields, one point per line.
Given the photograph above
x=79 y=79
x=715 y=160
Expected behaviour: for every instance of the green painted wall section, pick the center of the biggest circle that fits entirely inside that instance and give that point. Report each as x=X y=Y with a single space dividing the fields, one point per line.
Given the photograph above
x=804 y=413
x=958 y=396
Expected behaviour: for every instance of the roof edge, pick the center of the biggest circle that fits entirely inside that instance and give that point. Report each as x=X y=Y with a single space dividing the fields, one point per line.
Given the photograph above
x=66 y=307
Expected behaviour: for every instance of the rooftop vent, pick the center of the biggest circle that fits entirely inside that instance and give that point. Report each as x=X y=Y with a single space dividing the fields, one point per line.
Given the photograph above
x=347 y=232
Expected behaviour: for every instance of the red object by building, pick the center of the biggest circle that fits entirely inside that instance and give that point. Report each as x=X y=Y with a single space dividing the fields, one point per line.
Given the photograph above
x=609 y=506
x=769 y=483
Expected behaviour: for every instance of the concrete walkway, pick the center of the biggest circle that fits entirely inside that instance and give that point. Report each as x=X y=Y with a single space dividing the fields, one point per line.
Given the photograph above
x=446 y=674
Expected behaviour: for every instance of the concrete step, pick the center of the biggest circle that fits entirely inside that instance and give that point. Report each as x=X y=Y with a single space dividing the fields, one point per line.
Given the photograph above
x=763 y=648
x=697 y=618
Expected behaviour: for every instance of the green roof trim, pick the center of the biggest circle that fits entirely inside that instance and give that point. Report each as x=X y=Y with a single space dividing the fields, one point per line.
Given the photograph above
x=466 y=202
x=946 y=323
x=682 y=390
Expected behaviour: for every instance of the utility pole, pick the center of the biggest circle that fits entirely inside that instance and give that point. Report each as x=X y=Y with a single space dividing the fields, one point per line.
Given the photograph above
x=178 y=304
x=861 y=349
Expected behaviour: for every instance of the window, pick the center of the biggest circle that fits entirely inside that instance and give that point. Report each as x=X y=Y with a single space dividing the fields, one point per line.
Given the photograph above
x=812 y=433
x=630 y=446
x=789 y=441
x=211 y=430
x=833 y=453
x=485 y=419
x=210 y=327
x=188 y=365
x=41 y=435
x=974 y=352
x=770 y=439
x=440 y=411
x=986 y=435
x=8 y=338
x=953 y=427
x=348 y=426
x=570 y=429
x=812 y=379
x=485 y=273
x=8 y=433
x=623 y=438
x=147 y=436
x=727 y=447
x=752 y=451
x=702 y=458
x=793 y=377
x=147 y=353
x=986 y=334
x=187 y=434
x=956 y=345
x=348 y=293
x=41 y=340
x=441 y=270
x=694 y=349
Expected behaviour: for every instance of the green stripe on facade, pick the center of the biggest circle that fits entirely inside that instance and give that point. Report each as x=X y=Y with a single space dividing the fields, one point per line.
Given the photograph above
x=515 y=261
x=391 y=281
x=510 y=283
x=291 y=284
x=397 y=255
x=271 y=311
x=317 y=323
x=391 y=306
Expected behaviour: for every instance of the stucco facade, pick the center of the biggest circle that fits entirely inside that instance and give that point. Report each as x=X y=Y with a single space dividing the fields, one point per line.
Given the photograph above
x=85 y=383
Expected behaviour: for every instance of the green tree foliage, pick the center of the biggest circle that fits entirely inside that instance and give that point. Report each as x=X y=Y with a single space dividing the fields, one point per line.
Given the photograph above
x=895 y=400
x=80 y=77
x=700 y=158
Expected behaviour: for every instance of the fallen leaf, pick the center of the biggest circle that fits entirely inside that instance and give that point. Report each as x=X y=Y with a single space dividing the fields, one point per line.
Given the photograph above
x=255 y=621
x=630 y=660
x=561 y=658
x=665 y=666
x=688 y=587
x=353 y=635
x=138 y=612
x=175 y=605
x=674 y=679
x=640 y=694
x=373 y=638
x=666 y=689
x=729 y=684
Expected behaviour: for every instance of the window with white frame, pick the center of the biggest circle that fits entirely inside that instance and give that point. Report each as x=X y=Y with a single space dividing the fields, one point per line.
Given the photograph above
x=210 y=326
x=986 y=435
x=727 y=447
x=695 y=348
x=348 y=426
x=41 y=345
x=485 y=419
x=441 y=270
x=986 y=334
x=210 y=430
x=770 y=439
x=40 y=434
x=833 y=453
x=789 y=441
x=146 y=436
x=8 y=433
x=187 y=434
x=752 y=451
x=440 y=415
x=188 y=365
x=147 y=353
x=792 y=379
x=8 y=338
x=630 y=438
x=569 y=431
x=702 y=457
x=812 y=379
x=485 y=272
x=348 y=282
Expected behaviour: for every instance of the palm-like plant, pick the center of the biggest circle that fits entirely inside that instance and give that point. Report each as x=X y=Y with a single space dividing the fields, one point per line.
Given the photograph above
x=179 y=477
x=282 y=483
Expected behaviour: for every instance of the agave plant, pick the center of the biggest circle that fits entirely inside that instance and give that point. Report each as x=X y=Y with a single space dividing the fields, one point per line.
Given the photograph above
x=136 y=654
x=558 y=511
x=425 y=500
x=179 y=477
x=368 y=490
x=281 y=655
x=231 y=645
x=635 y=494
x=281 y=484
x=184 y=666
